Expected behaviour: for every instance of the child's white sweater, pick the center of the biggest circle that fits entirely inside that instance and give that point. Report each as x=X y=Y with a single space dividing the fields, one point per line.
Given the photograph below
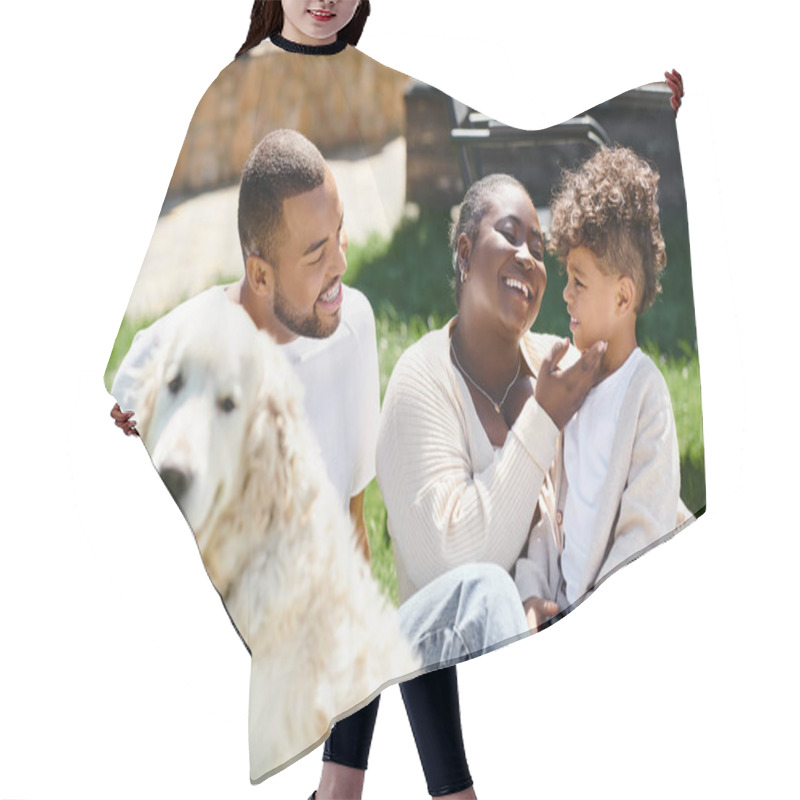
x=638 y=505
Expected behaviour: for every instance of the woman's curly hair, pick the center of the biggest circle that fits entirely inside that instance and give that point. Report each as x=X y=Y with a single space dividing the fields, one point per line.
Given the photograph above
x=610 y=205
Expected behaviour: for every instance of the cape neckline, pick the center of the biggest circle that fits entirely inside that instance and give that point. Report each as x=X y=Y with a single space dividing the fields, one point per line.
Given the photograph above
x=307 y=49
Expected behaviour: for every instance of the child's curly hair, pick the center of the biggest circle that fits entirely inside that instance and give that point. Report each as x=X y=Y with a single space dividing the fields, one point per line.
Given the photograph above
x=610 y=205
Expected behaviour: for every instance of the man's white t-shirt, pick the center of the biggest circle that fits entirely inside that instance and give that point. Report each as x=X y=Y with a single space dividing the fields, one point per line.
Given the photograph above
x=340 y=381
x=342 y=393
x=588 y=440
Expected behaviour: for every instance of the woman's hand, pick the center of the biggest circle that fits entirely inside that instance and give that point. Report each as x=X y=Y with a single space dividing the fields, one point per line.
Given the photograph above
x=538 y=610
x=124 y=420
x=561 y=393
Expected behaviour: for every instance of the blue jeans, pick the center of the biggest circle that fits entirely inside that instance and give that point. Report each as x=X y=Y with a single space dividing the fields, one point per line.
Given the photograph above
x=464 y=613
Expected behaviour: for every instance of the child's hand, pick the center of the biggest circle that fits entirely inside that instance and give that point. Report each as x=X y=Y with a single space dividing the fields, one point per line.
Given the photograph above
x=124 y=420
x=561 y=393
x=538 y=611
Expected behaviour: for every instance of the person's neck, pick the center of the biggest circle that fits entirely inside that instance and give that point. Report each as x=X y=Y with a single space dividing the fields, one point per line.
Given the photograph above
x=618 y=351
x=259 y=311
x=489 y=359
x=292 y=34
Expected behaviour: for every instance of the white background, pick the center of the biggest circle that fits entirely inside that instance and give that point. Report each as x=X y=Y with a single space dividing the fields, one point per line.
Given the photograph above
x=119 y=675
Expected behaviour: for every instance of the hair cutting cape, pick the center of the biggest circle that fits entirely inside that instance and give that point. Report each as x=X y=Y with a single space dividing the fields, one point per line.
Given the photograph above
x=320 y=626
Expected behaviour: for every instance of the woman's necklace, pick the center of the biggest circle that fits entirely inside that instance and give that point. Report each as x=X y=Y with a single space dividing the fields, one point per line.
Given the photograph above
x=497 y=406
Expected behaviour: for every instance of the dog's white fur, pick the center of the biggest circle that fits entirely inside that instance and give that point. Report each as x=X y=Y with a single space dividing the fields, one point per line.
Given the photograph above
x=220 y=412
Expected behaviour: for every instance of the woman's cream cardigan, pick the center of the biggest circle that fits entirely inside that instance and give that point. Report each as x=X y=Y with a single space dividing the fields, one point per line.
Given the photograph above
x=451 y=498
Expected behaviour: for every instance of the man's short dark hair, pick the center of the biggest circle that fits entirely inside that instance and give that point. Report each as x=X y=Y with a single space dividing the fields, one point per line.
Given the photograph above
x=284 y=164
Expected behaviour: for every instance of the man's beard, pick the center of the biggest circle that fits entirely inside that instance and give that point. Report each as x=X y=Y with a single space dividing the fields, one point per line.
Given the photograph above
x=311 y=326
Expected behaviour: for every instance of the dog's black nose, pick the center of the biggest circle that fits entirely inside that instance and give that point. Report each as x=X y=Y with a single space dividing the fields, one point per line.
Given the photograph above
x=177 y=482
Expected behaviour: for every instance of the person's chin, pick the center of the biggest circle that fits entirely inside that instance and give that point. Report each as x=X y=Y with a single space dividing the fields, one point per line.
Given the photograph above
x=328 y=323
x=521 y=323
x=578 y=339
x=333 y=324
x=320 y=30
x=517 y=328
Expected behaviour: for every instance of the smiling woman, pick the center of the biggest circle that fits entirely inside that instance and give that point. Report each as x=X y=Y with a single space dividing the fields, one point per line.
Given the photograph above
x=499 y=256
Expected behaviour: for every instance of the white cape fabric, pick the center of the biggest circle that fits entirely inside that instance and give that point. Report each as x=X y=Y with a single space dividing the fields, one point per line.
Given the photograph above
x=221 y=409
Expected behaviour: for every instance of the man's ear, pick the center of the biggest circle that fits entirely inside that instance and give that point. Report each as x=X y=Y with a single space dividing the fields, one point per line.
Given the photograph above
x=260 y=275
x=626 y=295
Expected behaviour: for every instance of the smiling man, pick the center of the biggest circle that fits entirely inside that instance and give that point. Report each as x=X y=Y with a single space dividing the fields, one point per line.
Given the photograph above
x=291 y=231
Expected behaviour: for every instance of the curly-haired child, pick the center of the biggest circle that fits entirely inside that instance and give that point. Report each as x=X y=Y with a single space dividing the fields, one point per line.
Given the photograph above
x=617 y=472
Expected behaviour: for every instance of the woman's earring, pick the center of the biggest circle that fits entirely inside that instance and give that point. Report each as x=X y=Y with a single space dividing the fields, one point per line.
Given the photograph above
x=463 y=275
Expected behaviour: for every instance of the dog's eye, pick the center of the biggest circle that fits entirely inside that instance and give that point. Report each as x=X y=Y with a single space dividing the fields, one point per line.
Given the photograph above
x=226 y=404
x=176 y=384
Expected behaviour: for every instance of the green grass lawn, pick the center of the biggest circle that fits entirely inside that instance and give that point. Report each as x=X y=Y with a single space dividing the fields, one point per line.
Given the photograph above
x=407 y=280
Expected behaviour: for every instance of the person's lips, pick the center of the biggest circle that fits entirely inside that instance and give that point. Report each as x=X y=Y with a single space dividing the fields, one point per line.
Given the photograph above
x=320 y=15
x=519 y=286
x=331 y=298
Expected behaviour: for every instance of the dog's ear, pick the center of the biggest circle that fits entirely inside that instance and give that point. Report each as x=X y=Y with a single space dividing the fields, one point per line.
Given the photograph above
x=271 y=466
x=148 y=379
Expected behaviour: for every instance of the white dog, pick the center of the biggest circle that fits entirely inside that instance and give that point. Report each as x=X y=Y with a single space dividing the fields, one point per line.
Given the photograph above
x=220 y=411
